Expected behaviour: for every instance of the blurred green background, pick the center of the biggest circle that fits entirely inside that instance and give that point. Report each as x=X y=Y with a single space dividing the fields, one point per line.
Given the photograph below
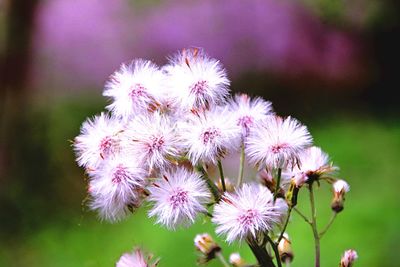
x=331 y=64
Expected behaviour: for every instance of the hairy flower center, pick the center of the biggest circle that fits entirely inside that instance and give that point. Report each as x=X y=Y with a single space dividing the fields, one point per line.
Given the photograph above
x=106 y=146
x=156 y=143
x=248 y=218
x=245 y=122
x=137 y=90
x=278 y=148
x=119 y=174
x=179 y=198
x=199 y=87
x=209 y=135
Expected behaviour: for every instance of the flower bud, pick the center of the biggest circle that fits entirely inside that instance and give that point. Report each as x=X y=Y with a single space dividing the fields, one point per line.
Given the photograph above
x=291 y=194
x=236 y=260
x=340 y=188
x=348 y=258
x=207 y=246
x=285 y=249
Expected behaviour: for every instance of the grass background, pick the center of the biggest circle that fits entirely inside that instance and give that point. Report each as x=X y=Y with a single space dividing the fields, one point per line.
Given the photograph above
x=367 y=149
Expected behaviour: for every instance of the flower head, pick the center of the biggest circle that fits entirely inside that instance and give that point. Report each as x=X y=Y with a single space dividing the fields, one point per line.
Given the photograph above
x=196 y=81
x=153 y=140
x=340 y=188
x=135 y=88
x=136 y=259
x=114 y=187
x=313 y=163
x=247 y=212
x=209 y=136
x=277 y=142
x=99 y=139
x=248 y=112
x=178 y=197
x=348 y=258
x=207 y=246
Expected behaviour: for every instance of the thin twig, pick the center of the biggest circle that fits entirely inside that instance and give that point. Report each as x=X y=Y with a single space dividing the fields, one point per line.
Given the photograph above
x=221 y=174
x=332 y=219
x=275 y=249
x=278 y=183
x=284 y=226
x=222 y=259
x=302 y=215
x=314 y=227
x=241 y=167
x=213 y=188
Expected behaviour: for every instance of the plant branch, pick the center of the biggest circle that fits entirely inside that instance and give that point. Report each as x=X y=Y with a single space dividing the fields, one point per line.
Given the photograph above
x=314 y=226
x=278 y=182
x=284 y=226
x=241 y=167
x=275 y=249
x=213 y=188
x=332 y=219
x=263 y=258
x=302 y=215
x=221 y=174
x=222 y=259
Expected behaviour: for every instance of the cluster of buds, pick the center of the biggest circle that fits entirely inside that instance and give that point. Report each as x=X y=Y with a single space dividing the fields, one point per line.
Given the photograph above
x=163 y=141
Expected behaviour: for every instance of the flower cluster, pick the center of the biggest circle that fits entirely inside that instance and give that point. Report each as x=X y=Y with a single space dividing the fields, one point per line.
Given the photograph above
x=168 y=128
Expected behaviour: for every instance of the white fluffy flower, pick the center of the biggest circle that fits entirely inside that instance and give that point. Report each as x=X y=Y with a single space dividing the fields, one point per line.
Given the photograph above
x=99 y=140
x=247 y=212
x=135 y=88
x=313 y=163
x=135 y=259
x=277 y=142
x=114 y=187
x=153 y=140
x=248 y=112
x=196 y=81
x=341 y=187
x=348 y=258
x=209 y=136
x=178 y=197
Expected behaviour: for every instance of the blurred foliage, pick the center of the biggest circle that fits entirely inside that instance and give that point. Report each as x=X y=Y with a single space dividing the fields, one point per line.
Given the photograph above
x=45 y=201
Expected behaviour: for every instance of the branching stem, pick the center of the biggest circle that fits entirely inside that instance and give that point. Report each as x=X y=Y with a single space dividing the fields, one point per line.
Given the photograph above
x=278 y=183
x=221 y=174
x=332 y=219
x=241 y=167
x=222 y=259
x=314 y=226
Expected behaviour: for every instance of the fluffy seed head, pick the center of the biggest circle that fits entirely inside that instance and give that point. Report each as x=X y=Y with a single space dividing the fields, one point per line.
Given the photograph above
x=135 y=88
x=247 y=212
x=277 y=142
x=178 y=197
x=114 y=187
x=136 y=259
x=196 y=81
x=348 y=258
x=209 y=136
x=341 y=187
x=99 y=139
x=153 y=140
x=248 y=112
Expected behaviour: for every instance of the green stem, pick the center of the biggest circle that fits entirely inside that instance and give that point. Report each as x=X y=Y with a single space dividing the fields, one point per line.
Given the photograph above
x=241 y=167
x=302 y=215
x=263 y=258
x=213 y=188
x=275 y=249
x=222 y=259
x=221 y=174
x=284 y=227
x=332 y=219
x=278 y=182
x=314 y=227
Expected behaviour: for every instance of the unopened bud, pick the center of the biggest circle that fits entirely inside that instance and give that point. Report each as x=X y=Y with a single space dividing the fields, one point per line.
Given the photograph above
x=267 y=179
x=340 y=188
x=291 y=194
x=207 y=246
x=236 y=260
x=348 y=258
x=228 y=185
x=285 y=249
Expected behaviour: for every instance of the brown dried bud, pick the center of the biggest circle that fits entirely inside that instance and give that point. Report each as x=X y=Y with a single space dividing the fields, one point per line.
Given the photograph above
x=207 y=246
x=285 y=249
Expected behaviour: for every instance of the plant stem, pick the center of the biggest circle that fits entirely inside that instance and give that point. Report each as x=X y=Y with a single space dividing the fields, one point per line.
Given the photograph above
x=222 y=259
x=263 y=258
x=275 y=249
x=213 y=188
x=278 y=182
x=221 y=174
x=333 y=217
x=302 y=215
x=241 y=167
x=284 y=226
x=314 y=226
